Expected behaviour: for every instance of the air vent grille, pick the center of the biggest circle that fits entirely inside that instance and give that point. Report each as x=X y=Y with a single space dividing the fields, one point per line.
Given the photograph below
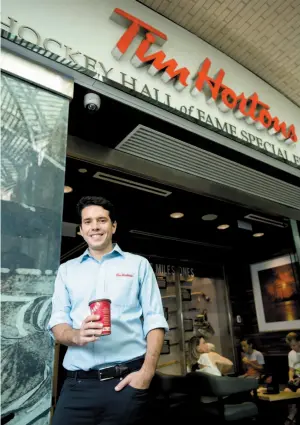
x=157 y=147
x=131 y=183
x=175 y=239
x=265 y=220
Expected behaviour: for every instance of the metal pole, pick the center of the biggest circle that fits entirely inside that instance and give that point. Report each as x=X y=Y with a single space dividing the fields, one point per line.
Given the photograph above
x=230 y=321
x=296 y=237
x=180 y=321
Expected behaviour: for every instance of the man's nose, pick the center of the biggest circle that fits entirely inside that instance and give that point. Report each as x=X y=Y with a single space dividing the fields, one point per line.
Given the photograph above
x=95 y=226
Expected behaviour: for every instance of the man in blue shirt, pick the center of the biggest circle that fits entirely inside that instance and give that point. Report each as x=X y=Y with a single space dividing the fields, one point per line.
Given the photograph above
x=107 y=376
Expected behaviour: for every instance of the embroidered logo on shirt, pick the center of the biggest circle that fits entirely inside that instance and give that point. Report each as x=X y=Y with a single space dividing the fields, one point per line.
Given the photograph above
x=124 y=275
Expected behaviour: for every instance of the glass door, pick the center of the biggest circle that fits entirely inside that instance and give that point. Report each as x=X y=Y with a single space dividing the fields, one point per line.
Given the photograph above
x=194 y=305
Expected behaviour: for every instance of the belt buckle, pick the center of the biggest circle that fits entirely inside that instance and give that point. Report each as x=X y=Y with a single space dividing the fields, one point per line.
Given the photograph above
x=121 y=370
x=103 y=379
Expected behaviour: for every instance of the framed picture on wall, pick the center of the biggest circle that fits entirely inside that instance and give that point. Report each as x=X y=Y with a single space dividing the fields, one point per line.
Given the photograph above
x=186 y=294
x=162 y=282
x=188 y=325
x=276 y=293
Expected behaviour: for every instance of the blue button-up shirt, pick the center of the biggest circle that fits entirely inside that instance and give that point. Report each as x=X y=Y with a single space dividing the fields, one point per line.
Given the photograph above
x=136 y=307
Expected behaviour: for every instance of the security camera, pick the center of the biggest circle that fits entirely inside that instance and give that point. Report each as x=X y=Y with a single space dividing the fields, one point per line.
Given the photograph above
x=92 y=102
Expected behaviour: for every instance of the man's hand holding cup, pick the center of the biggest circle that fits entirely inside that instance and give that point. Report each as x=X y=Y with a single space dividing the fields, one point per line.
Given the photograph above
x=90 y=331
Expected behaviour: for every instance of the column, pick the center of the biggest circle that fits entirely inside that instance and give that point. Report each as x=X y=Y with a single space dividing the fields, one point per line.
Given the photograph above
x=34 y=135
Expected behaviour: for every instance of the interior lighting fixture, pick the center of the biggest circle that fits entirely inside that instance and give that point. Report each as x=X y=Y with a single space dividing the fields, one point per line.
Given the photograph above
x=223 y=226
x=68 y=189
x=209 y=217
x=177 y=215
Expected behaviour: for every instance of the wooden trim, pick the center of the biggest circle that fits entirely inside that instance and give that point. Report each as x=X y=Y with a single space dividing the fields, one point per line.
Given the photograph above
x=55 y=374
x=282 y=396
x=170 y=363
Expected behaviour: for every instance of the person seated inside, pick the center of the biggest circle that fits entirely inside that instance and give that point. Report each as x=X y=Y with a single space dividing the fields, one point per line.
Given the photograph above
x=208 y=361
x=205 y=359
x=253 y=360
x=293 y=340
x=213 y=363
x=197 y=345
x=203 y=354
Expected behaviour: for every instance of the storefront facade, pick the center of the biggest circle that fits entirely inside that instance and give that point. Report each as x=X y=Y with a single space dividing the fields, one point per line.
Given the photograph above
x=197 y=88
x=123 y=50
x=180 y=76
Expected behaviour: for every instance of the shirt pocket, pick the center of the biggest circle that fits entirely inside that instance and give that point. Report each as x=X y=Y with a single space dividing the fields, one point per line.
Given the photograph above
x=122 y=289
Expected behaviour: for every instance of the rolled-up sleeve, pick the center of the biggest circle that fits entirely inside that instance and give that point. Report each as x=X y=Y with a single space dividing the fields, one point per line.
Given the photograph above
x=61 y=304
x=260 y=358
x=150 y=299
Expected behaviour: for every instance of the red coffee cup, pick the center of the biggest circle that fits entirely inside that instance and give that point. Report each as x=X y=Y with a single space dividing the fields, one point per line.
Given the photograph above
x=101 y=308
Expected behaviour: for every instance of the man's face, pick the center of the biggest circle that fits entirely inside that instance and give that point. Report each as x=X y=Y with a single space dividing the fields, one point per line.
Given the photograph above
x=295 y=345
x=96 y=227
x=245 y=346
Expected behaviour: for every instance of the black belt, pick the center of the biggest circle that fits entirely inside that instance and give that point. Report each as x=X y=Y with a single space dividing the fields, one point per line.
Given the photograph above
x=118 y=371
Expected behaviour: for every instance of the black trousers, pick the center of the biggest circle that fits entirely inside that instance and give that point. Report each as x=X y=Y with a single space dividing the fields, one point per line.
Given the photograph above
x=94 y=402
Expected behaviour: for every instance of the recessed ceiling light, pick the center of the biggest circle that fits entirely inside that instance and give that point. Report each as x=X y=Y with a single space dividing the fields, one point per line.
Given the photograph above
x=82 y=170
x=209 y=217
x=223 y=226
x=258 y=235
x=177 y=215
x=68 y=189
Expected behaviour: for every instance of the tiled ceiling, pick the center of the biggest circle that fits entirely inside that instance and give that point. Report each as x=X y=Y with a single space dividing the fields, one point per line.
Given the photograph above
x=262 y=35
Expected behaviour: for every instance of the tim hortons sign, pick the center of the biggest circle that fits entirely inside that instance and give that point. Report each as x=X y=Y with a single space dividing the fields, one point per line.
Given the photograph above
x=193 y=89
x=251 y=108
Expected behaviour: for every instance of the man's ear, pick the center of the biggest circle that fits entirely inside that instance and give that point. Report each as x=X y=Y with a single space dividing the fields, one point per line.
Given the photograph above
x=114 y=225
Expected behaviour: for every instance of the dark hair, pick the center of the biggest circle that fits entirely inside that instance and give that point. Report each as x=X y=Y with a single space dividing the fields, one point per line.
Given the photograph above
x=193 y=354
x=86 y=201
x=249 y=341
x=292 y=336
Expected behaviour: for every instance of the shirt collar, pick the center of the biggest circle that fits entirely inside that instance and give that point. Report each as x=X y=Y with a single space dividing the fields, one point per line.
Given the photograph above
x=86 y=254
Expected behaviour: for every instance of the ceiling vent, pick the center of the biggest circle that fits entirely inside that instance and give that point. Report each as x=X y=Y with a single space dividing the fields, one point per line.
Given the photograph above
x=162 y=149
x=131 y=183
x=265 y=220
x=171 y=238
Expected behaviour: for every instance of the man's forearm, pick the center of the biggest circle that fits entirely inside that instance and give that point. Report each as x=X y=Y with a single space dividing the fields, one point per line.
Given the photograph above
x=155 y=340
x=291 y=374
x=65 y=334
x=256 y=366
